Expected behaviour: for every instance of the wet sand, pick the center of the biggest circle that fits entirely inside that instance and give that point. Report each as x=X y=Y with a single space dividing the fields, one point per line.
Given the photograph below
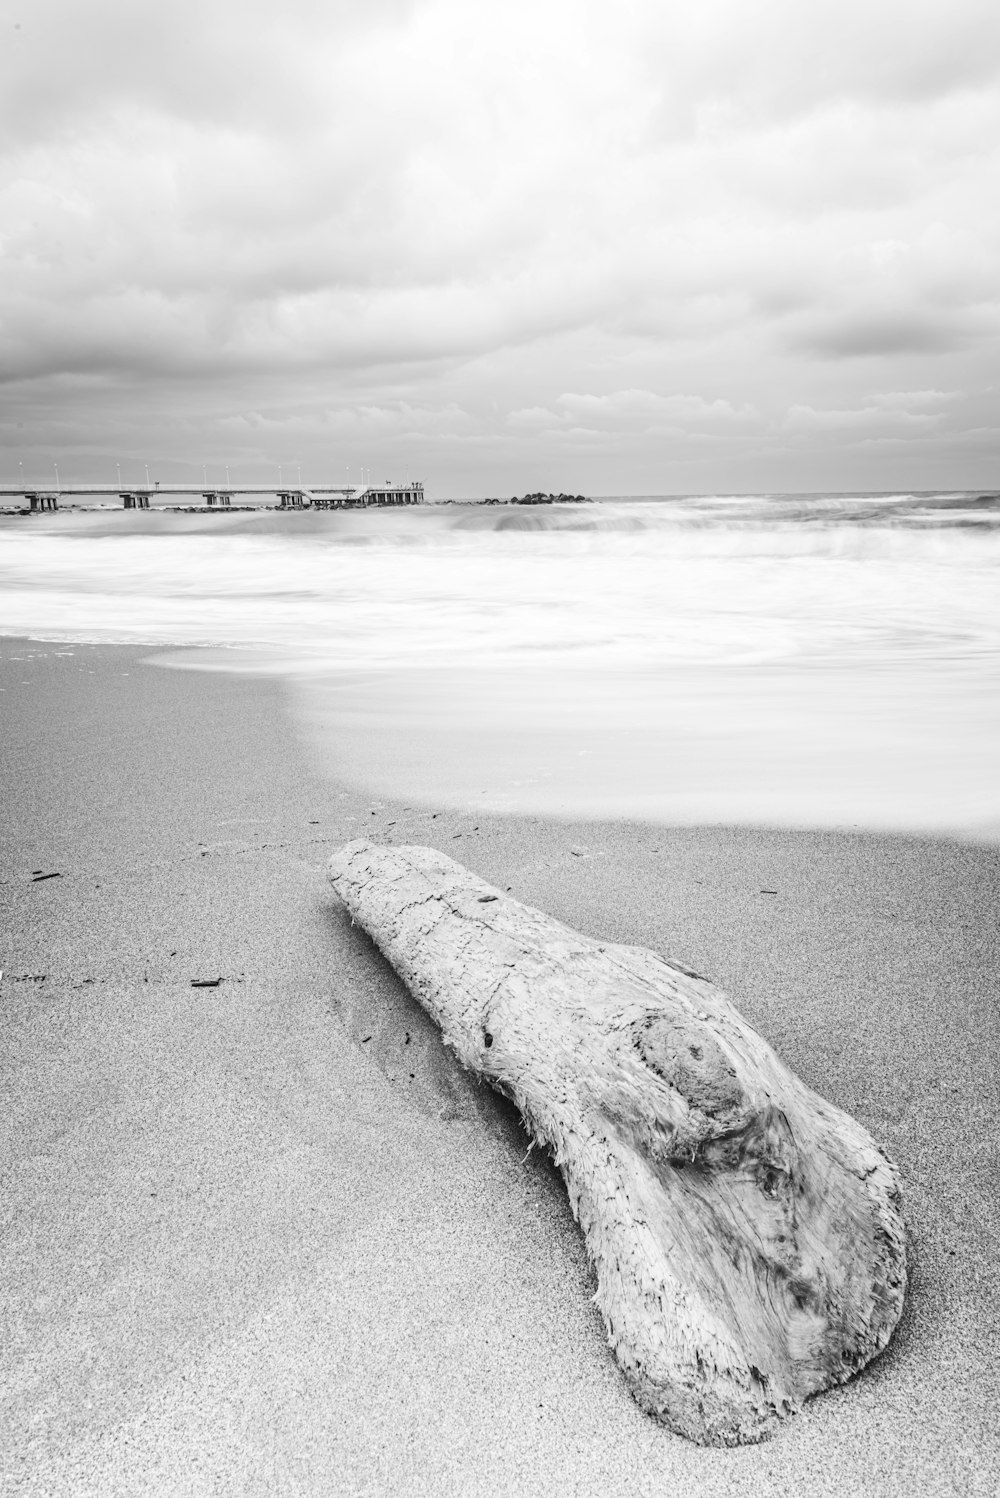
x=265 y=1237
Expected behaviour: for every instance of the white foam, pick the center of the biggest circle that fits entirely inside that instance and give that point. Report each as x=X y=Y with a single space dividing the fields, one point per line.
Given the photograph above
x=781 y=610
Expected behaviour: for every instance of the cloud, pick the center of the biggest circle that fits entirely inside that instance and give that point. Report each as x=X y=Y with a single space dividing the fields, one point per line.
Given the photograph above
x=644 y=408
x=873 y=334
x=625 y=415
x=533 y=419
x=809 y=419
x=909 y=400
x=535 y=223
x=353 y=422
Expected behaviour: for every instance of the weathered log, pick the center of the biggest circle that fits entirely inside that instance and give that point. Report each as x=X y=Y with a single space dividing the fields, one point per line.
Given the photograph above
x=747 y=1235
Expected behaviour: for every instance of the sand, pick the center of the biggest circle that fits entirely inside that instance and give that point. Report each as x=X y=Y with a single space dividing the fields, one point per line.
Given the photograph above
x=265 y=1237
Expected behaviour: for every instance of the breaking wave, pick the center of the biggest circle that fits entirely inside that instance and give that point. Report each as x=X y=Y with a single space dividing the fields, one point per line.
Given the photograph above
x=823 y=658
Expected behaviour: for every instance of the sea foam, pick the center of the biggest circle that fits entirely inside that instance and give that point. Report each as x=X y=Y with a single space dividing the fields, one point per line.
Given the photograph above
x=794 y=659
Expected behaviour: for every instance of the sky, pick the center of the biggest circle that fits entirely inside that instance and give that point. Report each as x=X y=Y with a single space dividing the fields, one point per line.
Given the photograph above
x=626 y=248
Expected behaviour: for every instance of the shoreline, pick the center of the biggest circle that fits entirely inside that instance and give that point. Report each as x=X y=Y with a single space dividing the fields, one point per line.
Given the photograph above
x=269 y=1234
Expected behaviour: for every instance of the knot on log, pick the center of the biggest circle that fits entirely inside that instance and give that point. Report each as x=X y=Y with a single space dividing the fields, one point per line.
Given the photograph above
x=747 y=1235
x=690 y=1060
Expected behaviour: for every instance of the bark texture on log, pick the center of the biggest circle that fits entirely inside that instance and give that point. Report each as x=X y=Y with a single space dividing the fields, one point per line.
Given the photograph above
x=747 y=1235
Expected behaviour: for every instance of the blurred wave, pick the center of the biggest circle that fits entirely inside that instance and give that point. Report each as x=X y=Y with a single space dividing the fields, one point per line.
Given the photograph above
x=858 y=635
x=614 y=581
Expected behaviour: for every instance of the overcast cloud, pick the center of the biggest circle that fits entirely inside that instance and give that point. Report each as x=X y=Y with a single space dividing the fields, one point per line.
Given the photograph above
x=638 y=247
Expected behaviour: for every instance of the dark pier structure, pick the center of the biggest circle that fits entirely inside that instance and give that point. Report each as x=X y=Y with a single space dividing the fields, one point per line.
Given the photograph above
x=315 y=497
x=371 y=494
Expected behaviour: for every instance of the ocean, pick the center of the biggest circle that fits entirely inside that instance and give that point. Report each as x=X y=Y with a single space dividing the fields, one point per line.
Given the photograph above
x=785 y=660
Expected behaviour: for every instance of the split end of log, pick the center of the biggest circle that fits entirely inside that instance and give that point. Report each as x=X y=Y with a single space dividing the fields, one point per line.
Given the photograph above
x=747 y=1235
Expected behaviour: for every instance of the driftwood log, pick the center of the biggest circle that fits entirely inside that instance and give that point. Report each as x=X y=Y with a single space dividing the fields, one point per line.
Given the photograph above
x=747 y=1235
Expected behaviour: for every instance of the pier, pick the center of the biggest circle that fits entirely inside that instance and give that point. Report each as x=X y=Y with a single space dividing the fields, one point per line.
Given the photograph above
x=350 y=499
x=298 y=497
x=371 y=494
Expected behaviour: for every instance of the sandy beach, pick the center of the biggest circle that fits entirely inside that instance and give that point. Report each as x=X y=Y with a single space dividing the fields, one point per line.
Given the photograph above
x=265 y=1237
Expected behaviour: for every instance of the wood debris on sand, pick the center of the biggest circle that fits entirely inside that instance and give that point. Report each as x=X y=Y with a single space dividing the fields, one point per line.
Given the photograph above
x=747 y=1235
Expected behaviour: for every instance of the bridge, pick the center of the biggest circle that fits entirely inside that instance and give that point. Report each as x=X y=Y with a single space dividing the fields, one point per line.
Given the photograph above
x=39 y=499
